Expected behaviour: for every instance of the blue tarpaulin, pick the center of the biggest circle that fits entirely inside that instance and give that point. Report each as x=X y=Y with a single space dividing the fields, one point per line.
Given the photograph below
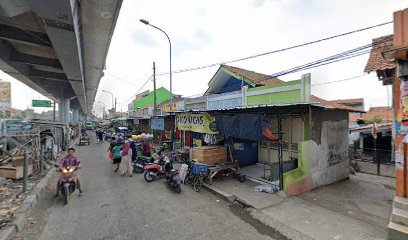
x=242 y=126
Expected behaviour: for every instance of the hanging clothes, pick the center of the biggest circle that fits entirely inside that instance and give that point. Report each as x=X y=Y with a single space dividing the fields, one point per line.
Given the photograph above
x=210 y=139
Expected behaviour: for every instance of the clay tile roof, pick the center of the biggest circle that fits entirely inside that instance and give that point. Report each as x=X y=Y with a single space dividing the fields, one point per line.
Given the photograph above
x=256 y=78
x=353 y=118
x=380 y=125
x=333 y=104
x=383 y=112
x=348 y=101
x=376 y=60
x=263 y=79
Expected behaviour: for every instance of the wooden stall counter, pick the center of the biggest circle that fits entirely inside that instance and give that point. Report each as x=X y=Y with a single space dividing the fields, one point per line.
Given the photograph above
x=210 y=155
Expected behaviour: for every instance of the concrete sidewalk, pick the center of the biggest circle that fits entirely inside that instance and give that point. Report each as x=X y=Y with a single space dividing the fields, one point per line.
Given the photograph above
x=358 y=208
x=244 y=193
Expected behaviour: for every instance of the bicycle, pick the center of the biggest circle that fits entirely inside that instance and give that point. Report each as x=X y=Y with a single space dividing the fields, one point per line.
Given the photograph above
x=196 y=174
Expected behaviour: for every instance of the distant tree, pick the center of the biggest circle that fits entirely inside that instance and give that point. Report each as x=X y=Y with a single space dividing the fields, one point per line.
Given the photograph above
x=378 y=118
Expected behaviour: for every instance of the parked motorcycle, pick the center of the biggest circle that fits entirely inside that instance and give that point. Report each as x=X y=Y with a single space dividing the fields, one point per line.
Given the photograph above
x=155 y=170
x=172 y=176
x=67 y=181
x=140 y=163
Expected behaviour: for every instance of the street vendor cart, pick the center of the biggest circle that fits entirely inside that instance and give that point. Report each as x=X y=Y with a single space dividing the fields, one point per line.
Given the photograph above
x=216 y=157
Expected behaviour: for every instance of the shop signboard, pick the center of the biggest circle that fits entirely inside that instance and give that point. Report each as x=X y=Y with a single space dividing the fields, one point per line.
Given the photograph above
x=5 y=94
x=202 y=123
x=19 y=127
x=177 y=106
x=157 y=123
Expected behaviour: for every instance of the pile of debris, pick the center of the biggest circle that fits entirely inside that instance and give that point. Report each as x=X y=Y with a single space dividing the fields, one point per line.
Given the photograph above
x=13 y=164
x=11 y=197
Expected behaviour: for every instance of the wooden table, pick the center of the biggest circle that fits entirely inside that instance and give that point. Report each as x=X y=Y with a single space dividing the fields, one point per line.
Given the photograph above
x=213 y=170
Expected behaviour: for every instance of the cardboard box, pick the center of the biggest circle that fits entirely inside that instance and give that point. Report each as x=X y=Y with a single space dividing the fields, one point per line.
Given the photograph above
x=9 y=171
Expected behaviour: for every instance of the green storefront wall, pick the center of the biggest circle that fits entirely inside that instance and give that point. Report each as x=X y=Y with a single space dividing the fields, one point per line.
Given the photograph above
x=162 y=95
x=285 y=96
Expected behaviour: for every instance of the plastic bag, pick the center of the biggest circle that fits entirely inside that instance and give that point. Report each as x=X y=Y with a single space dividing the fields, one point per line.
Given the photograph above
x=110 y=155
x=183 y=171
x=264 y=188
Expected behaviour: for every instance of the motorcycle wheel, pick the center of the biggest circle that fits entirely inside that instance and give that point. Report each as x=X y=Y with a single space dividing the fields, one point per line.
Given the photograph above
x=148 y=177
x=66 y=195
x=178 y=188
x=137 y=169
x=198 y=183
x=188 y=178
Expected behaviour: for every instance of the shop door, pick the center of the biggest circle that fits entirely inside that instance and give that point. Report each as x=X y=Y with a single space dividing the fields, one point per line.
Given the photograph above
x=292 y=134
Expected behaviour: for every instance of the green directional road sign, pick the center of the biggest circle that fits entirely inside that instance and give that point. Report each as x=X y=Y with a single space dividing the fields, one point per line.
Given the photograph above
x=41 y=103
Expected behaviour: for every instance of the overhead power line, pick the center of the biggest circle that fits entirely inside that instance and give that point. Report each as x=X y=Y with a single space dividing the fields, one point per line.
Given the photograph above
x=355 y=52
x=137 y=91
x=124 y=80
x=341 y=80
x=265 y=53
x=276 y=51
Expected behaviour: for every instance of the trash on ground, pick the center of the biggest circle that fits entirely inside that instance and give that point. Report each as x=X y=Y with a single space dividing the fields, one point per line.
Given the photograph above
x=265 y=188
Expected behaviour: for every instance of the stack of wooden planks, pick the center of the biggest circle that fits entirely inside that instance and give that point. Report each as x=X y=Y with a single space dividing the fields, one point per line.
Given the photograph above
x=15 y=169
x=210 y=155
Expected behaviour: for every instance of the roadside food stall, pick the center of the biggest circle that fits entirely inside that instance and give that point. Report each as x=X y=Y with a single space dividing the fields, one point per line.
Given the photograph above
x=200 y=135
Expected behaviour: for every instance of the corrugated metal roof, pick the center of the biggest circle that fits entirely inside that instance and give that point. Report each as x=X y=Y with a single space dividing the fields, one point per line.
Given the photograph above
x=319 y=105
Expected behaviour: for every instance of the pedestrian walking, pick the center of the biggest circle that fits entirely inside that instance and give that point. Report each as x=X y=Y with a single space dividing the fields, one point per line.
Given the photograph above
x=117 y=156
x=134 y=149
x=126 y=165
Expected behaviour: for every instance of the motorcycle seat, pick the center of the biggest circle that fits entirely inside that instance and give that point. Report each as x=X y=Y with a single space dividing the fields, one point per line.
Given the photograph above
x=146 y=158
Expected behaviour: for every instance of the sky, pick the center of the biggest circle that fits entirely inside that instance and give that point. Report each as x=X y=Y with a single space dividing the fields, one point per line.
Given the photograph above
x=205 y=32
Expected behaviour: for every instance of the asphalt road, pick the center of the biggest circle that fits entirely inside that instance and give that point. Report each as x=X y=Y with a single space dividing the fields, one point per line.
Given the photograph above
x=116 y=207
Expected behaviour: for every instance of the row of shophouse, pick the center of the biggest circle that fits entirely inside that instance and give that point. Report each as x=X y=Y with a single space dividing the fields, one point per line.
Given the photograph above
x=278 y=131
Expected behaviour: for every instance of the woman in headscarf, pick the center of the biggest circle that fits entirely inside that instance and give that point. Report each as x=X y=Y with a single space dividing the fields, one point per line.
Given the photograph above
x=133 y=147
x=126 y=165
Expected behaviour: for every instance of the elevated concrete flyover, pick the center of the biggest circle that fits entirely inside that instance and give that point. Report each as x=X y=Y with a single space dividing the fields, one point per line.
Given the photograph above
x=58 y=47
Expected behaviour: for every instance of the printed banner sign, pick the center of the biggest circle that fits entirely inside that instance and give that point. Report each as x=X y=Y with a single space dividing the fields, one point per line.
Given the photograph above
x=5 y=94
x=157 y=123
x=202 y=123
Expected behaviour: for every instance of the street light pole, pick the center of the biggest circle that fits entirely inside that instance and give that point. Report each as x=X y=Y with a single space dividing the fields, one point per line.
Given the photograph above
x=113 y=104
x=171 y=71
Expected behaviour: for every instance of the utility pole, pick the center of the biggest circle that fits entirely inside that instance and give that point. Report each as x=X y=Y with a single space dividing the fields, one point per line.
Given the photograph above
x=115 y=104
x=154 y=90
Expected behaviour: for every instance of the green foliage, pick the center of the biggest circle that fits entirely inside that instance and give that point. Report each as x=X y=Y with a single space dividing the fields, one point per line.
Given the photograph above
x=378 y=118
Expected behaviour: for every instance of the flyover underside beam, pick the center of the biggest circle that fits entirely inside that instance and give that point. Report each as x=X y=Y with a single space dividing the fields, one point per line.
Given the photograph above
x=35 y=60
x=20 y=35
x=18 y=70
x=48 y=75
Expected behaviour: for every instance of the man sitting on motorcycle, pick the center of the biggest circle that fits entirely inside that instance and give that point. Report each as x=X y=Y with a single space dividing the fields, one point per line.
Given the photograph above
x=164 y=149
x=70 y=160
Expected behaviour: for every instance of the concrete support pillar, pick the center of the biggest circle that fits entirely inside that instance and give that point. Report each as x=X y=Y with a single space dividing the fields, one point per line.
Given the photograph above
x=61 y=111
x=67 y=106
x=75 y=115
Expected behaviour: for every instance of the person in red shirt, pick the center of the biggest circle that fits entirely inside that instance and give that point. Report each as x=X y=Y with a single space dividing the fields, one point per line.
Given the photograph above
x=146 y=148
